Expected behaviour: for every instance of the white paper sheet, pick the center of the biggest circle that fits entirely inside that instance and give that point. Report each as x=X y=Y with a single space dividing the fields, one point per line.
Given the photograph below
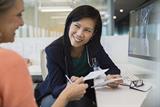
x=106 y=82
x=95 y=74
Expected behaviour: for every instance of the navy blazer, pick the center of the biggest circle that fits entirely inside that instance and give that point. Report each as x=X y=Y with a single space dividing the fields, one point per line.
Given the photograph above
x=55 y=81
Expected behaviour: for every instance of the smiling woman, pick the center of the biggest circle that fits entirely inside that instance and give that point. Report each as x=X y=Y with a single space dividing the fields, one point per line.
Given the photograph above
x=81 y=32
x=11 y=13
x=73 y=54
x=15 y=84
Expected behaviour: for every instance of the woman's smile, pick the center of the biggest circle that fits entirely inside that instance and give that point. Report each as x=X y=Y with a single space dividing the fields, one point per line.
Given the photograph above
x=77 y=39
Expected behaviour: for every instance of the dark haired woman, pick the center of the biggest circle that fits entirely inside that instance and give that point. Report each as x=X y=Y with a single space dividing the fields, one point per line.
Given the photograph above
x=73 y=55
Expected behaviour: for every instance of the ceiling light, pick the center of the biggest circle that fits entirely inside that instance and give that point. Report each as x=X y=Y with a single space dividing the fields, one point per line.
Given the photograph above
x=114 y=17
x=58 y=17
x=121 y=10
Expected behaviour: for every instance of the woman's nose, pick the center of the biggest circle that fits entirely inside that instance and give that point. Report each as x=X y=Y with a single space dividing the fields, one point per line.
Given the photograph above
x=21 y=22
x=79 y=32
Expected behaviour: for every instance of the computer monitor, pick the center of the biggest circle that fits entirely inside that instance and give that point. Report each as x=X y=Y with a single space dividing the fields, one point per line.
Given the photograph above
x=144 y=35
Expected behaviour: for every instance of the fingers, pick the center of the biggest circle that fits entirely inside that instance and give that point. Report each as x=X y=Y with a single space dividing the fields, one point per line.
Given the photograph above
x=76 y=91
x=85 y=86
x=116 y=83
x=82 y=88
x=74 y=78
x=113 y=85
x=79 y=80
x=113 y=76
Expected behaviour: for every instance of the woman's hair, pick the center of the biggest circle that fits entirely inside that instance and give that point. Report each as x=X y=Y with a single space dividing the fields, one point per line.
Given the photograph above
x=84 y=11
x=5 y=5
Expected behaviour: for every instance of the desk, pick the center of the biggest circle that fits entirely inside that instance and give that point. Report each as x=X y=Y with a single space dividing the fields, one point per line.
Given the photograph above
x=123 y=96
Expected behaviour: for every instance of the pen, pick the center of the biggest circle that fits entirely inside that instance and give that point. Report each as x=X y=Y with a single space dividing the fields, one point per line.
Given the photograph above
x=68 y=79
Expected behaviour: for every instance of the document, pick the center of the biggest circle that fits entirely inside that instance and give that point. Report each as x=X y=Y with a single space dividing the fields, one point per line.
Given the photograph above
x=106 y=82
x=95 y=74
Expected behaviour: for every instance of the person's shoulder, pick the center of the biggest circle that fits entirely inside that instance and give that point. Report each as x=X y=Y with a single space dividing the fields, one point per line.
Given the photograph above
x=8 y=52
x=7 y=55
x=55 y=46
x=95 y=48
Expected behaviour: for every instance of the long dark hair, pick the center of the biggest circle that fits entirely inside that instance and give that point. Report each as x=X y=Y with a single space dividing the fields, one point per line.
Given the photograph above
x=5 y=5
x=84 y=11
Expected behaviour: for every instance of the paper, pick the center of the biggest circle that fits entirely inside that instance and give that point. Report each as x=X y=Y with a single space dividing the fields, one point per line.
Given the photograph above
x=95 y=74
x=106 y=82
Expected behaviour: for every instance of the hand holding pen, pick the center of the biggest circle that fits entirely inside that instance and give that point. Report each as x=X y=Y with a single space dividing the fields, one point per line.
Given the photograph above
x=76 y=89
x=74 y=78
x=69 y=80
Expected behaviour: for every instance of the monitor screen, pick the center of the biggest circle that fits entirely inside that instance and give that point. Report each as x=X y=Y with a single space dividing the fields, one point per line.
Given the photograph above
x=144 y=31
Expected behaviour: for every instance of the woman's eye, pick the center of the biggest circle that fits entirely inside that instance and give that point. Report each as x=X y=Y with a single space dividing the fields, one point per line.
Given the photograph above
x=77 y=26
x=19 y=15
x=89 y=30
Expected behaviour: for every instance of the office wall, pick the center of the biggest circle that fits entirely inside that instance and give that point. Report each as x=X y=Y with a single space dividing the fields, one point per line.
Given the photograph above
x=116 y=47
x=31 y=47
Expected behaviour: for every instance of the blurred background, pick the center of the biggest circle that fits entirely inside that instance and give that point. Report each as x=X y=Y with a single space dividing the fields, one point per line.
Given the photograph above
x=47 y=17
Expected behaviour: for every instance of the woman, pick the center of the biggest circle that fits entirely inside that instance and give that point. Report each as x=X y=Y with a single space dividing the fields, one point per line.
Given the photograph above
x=74 y=54
x=15 y=82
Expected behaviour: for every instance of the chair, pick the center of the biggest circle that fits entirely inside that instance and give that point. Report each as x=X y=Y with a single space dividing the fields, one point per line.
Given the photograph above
x=44 y=64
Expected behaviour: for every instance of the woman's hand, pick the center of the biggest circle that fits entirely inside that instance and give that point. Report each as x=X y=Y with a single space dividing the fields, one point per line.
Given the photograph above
x=116 y=83
x=74 y=78
x=76 y=90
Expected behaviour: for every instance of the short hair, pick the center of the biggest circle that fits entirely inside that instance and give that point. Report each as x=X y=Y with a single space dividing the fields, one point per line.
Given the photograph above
x=5 y=5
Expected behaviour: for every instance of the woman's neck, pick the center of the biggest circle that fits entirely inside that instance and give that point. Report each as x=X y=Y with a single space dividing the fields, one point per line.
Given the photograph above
x=76 y=52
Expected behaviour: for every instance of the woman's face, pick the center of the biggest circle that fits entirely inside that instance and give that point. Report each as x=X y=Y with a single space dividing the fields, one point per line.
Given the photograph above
x=81 y=32
x=10 y=21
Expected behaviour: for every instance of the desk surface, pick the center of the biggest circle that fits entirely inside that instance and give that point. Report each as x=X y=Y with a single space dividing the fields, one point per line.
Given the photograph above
x=120 y=97
x=107 y=97
x=123 y=96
